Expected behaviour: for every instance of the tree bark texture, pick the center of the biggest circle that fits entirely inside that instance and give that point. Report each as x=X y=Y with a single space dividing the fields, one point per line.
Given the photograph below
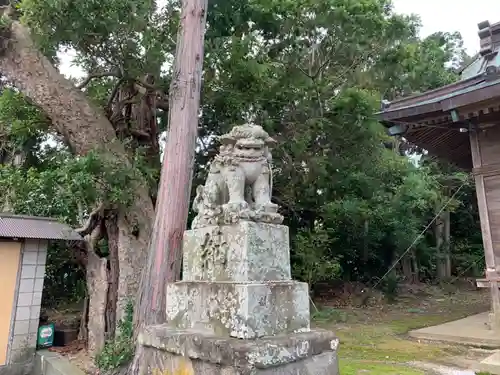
x=85 y=128
x=442 y=241
x=165 y=252
x=97 y=284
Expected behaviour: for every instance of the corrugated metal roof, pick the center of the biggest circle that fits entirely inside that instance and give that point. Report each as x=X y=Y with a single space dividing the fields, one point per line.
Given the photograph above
x=20 y=226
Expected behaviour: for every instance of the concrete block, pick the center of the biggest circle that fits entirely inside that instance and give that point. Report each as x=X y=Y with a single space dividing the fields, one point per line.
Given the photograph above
x=20 y=362
x=30 y=258
x=42 y=257
x=51 y=363
x=242 y=252
x=28 y=272
x=19 y=342
x=24 y=299
x=31 y=340
x=242 y=310
x=30 y=246
x=35 y=312
x=23 y=313
x=26 y=285
x=38 y=286
x=21 y=327
x=37 y=298
x=40 y=271
x=33 y=326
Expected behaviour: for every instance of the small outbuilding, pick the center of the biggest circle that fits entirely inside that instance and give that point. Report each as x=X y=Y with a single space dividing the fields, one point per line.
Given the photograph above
x=23 y=252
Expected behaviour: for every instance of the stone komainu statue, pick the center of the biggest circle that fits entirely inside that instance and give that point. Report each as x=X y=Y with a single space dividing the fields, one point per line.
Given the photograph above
x=239 y=183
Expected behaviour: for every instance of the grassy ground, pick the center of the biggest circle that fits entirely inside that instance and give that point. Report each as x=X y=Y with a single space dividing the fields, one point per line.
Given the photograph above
x=373 y=339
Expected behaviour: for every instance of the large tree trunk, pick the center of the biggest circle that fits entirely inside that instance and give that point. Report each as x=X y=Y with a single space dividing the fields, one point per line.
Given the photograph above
x=442 y=241
x=172 y=206
x=443 y=247
x=97 y=285
x=447 y=244
x=85 y=128
x=165 y=252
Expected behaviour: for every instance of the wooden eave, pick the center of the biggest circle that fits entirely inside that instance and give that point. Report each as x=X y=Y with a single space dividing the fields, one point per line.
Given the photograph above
x=428 y=121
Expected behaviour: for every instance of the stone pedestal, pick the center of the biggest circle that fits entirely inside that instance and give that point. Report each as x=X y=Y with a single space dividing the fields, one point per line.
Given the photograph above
x=244 y=252
x=237 y=311
x=169 y=351
x=242 y=310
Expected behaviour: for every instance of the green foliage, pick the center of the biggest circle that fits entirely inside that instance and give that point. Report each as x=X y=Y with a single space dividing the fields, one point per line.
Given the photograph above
x=4 y=22
x=312 y=73
x=312 y=258
x=64 y=279
x=120 y=350
x=129 y=35
x=22 y=127
x=67 y=183
x=390 y=286
x=329 y=315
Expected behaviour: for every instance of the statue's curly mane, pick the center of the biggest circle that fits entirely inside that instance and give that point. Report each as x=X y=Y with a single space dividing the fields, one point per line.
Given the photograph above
x=248 y=131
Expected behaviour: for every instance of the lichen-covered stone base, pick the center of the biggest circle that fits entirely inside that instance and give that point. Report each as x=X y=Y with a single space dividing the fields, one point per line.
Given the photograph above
x=242 y=252
x=165 y=351
x=242 y=310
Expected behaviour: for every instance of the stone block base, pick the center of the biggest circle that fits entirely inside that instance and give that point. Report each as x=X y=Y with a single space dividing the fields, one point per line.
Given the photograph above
x=243 y=252
x=242 y=310
x=168 y=351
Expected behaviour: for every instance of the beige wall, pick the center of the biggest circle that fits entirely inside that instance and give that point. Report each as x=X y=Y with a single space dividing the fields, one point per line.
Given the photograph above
x=9 y=264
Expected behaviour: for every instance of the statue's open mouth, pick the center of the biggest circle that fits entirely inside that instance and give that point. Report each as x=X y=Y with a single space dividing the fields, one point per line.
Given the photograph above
x=249 y=147
x=250 y=144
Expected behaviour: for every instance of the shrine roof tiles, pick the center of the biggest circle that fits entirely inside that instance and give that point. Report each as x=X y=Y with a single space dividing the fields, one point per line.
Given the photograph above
x=443 y=102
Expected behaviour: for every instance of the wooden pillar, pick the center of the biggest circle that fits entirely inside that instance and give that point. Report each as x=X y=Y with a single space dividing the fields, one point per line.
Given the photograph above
x=485 y=149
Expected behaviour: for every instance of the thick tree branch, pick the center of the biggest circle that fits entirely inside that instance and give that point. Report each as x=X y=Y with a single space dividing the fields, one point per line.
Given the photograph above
x=116 y=87
x=161 y=97
x=92 y=222
x=93 y=76
x=139 y=134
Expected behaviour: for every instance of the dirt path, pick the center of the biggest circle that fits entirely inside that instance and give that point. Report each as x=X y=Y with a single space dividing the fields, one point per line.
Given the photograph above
x=374 y=341
x=434 y=369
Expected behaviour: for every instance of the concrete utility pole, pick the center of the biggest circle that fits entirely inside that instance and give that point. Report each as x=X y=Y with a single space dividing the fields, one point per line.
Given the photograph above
x=172 y=207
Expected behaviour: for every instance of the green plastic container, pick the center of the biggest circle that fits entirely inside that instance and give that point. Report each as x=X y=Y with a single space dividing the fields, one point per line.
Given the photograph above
x=45 y=338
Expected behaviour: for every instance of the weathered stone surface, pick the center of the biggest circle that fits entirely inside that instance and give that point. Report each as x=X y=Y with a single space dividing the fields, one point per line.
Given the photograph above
x=242 y=310
x=243 y=252
x=308 y=353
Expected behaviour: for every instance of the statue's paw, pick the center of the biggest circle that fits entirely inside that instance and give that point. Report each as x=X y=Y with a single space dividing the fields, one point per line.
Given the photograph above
x=271 y=218
x=268 y=207
x=236 y=206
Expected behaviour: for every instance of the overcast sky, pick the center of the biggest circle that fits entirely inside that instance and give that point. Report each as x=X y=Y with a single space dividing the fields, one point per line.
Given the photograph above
x=436 y=15
x=452 y=15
